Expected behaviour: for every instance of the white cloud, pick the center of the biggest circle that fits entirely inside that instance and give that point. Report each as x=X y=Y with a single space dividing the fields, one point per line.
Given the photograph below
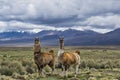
x=83 y=28
x=21 y=26
x=101 y=30
x=26 y=9
x=24 y=14
x=104 y=21
x=3 y=26
x=56 y=8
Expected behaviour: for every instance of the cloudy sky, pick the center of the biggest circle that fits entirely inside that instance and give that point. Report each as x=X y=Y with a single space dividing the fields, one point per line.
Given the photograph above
x=36 y=15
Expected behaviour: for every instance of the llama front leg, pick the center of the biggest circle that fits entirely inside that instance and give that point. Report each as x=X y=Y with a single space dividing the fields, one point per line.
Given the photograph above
x=38 y=70
x=66 y=70
x=42 y=74
x=63 y=70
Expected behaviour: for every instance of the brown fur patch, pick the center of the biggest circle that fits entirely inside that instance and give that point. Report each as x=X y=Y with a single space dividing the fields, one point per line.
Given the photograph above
x=68 y=58
x=42 y=59
x=45 y=58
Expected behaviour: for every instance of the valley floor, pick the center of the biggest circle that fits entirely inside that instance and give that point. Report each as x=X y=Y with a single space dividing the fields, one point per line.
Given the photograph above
x=102 y=63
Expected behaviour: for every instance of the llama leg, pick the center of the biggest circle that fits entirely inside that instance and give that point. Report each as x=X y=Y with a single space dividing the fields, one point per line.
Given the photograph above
x=60 y=66
x=52 y=66
x=66 y=74
x=53 y=69
x=38 y=69
x=41 y=71
x=76 y=70
x=63 y=69
x=66 y=70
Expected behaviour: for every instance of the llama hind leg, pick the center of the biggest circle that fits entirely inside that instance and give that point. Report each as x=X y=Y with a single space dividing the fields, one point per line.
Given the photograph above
x=66 y=70
x=76 y=70
x=38 y=69
x=52 y=66
x=42 y=72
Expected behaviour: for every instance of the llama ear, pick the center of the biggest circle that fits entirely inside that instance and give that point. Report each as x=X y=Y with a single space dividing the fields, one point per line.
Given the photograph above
x=36 y=37
x=60 y=37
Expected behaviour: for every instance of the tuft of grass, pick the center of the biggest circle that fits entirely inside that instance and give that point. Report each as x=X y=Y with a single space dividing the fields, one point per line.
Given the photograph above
x=6 y=71
x=92 y=78
x=17 y=67
x=29 y=66
x=29 y=69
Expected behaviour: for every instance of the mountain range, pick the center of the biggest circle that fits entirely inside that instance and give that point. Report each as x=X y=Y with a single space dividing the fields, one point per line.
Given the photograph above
x=50 y=38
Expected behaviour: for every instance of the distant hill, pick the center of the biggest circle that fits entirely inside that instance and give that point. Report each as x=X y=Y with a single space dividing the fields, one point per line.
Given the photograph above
x=72 y=37
x=110 y=38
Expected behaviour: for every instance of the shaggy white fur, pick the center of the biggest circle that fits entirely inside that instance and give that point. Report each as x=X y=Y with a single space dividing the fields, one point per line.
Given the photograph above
x=60 y=52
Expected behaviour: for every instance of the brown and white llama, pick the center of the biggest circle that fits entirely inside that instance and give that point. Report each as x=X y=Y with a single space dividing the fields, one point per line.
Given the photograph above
x=42 y=58
x=67 y=59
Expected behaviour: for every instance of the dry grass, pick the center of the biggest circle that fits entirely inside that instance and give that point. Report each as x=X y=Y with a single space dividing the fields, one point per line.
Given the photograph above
x=18 y=63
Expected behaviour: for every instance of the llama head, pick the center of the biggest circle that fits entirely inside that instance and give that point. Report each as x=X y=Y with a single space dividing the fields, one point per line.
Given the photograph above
x=36 y=40
x=37 y=47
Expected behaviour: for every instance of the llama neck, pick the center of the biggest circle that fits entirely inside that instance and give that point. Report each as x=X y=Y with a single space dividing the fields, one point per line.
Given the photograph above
x=60 y=52
x=37 y=48
x=61 y=45
x=61 y=49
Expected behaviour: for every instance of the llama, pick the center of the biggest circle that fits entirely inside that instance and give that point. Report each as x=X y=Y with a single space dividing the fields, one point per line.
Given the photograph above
x=67 y=59
x=42 y=58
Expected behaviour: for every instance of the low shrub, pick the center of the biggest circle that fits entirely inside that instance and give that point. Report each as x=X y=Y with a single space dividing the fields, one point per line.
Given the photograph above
x=29 y=69
x=17 y=67
x=6 y=71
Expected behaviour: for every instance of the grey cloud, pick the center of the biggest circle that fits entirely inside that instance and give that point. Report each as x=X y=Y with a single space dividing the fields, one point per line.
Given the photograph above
x=62 y=13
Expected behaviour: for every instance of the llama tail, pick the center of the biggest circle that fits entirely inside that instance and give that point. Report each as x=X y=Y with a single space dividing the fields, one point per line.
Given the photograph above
x=78 y=52
x=51 y=51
